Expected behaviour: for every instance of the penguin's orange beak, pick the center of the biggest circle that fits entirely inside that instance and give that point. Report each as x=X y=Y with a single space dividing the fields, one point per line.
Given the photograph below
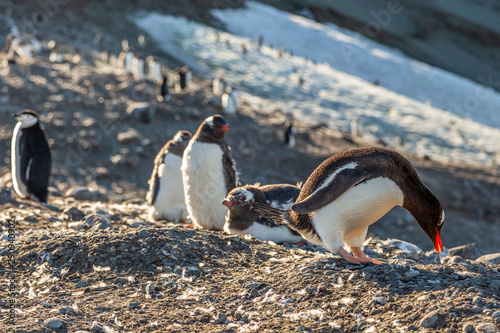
x=227 y=203
x=225 y=127
x=438 y=246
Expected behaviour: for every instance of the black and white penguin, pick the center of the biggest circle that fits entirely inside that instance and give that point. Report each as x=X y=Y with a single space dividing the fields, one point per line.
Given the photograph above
x=242 y=219
x=162 y=92
x=154 y=69
x=219 y=86
x=208 y=173
x=230 y=100
x=56 y=56
x=183 y=78
x=290 y=133
x=31 y=160
x=166 y=191
x=352 y=190
x=138 y=67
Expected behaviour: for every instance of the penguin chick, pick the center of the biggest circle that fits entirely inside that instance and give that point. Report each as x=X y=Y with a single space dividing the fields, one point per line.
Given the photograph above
x=242 y=219
x=31 y=158
x=352 y=190
x=166 y=192
x=208 y=173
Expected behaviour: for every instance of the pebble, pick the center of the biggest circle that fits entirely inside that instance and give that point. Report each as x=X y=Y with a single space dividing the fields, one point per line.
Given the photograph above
x=85 y=194
x=221 y=318
x=379 y=300
x=492 y=258
x=143 y=234
x=81 y=284
x=430 y=320
x=73 y=214
x=496 y=314
x=142 y=111
x=129 y=136
x=53 y=323
x=486 y=328
x=468 y=328
x=133 y=305
x=121 y=280
x=477 y=300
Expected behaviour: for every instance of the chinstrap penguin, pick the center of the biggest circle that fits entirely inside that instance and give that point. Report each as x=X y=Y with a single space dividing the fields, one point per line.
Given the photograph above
x=242 y=219
x=352 y=190
x=31 y=159
x=166 y=192
x=209 y=173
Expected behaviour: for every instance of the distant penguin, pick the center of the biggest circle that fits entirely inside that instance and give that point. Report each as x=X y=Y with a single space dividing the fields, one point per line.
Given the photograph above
x=260 y=40
x=242 y=219
x=31 y=159
x=218 y=86
x=154 y=69
x=356 y=130
x=127 y=61
x=162 y=92
x=183 y=78
x=230 y=100
x=290 y=134
x=352 y=190
x=141 y=39
x=56 y=56
x=166 y=192
x=208 y=173
x=138 y=67
x=98 y=38
x=8 y=43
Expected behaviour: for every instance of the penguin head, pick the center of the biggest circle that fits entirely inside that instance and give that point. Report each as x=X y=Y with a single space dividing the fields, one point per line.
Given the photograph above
x=237 y=204
x=27 y=118
x=214 y=127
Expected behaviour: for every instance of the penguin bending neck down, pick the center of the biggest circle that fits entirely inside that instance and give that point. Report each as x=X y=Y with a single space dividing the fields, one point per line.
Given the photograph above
x=352 y=190
x=31 y=159
x=208 y=173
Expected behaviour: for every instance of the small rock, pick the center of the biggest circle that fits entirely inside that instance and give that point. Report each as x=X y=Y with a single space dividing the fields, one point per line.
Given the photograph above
x=379 y=300
x=53 y=323
x=133 y=305
x=221 y=318
x=121 y=280
x=129 y=136
x=468 y=328
x=81 y=284
x=73 y=214
x=492 y=258
x=85 y=194
x=477 y=300
x=143 y=234
x=148 y=288
x=468 y=251
x=137 y=224
x=98 y=222
x=430 y=320
x=142 y=111
x=496 y=314
x=402 y=245
x=477 y=309
x=455 y=260
x=486 y=328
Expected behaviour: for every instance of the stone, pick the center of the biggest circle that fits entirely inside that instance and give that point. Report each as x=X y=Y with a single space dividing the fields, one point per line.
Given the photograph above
x=430 y=320
x=467 y=251
x=121 y=280
x=468 y=328
x=85 y=194
x=81 y=284
x=492 y=258
x=496 y=314
x=53 y=323
x=129 y=136
x=143 y=234
x=379 y=300
x=141 y=111
x=486 y=328
x=98 y=221
x=73 y=214
x=402 y=245
x=221 y=318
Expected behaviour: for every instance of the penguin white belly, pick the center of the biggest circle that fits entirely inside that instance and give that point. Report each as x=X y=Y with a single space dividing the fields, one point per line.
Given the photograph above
x=19 y=186
x=229 y=103
x=204 y=184
x=170 y=203
x=346 y=220
x=278 y=234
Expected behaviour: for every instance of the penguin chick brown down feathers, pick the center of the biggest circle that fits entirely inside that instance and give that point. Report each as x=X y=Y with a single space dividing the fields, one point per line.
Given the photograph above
x=31 y=159
x=242 y=218
x=166 y=192
x=351 y=190
x=209 y=173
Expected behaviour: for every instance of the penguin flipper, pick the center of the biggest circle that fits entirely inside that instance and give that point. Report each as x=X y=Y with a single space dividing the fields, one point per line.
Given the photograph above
x=38 y=174
x=154 y=186
x=321 y=197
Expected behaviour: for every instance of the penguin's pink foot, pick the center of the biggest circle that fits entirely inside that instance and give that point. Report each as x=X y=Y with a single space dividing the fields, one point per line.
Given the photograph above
x=300 y=243
x=362 y=257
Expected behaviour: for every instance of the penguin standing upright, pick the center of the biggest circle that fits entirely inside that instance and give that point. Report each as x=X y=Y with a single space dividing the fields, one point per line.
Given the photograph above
x=290 y=134
x=31 y=160
x=352 y=190
x=138 y=67
x=154 y=69
x=230 y=100
x=242 y=219
x=162 y=92
x=166 y=192
x=208 y=173
x=183 y=78
x=218 y=86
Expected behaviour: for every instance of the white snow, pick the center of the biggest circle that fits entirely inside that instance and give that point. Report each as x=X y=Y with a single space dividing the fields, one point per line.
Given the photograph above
x=417 y=108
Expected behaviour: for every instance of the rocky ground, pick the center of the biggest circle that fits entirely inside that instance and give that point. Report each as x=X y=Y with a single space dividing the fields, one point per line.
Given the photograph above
x=93 y=261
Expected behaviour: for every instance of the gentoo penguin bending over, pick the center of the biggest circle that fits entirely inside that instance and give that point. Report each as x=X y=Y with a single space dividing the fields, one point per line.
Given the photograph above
x=242 y=219
x=166 y=192
x=351 y=190
x=31 y=160
x=208 y=173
